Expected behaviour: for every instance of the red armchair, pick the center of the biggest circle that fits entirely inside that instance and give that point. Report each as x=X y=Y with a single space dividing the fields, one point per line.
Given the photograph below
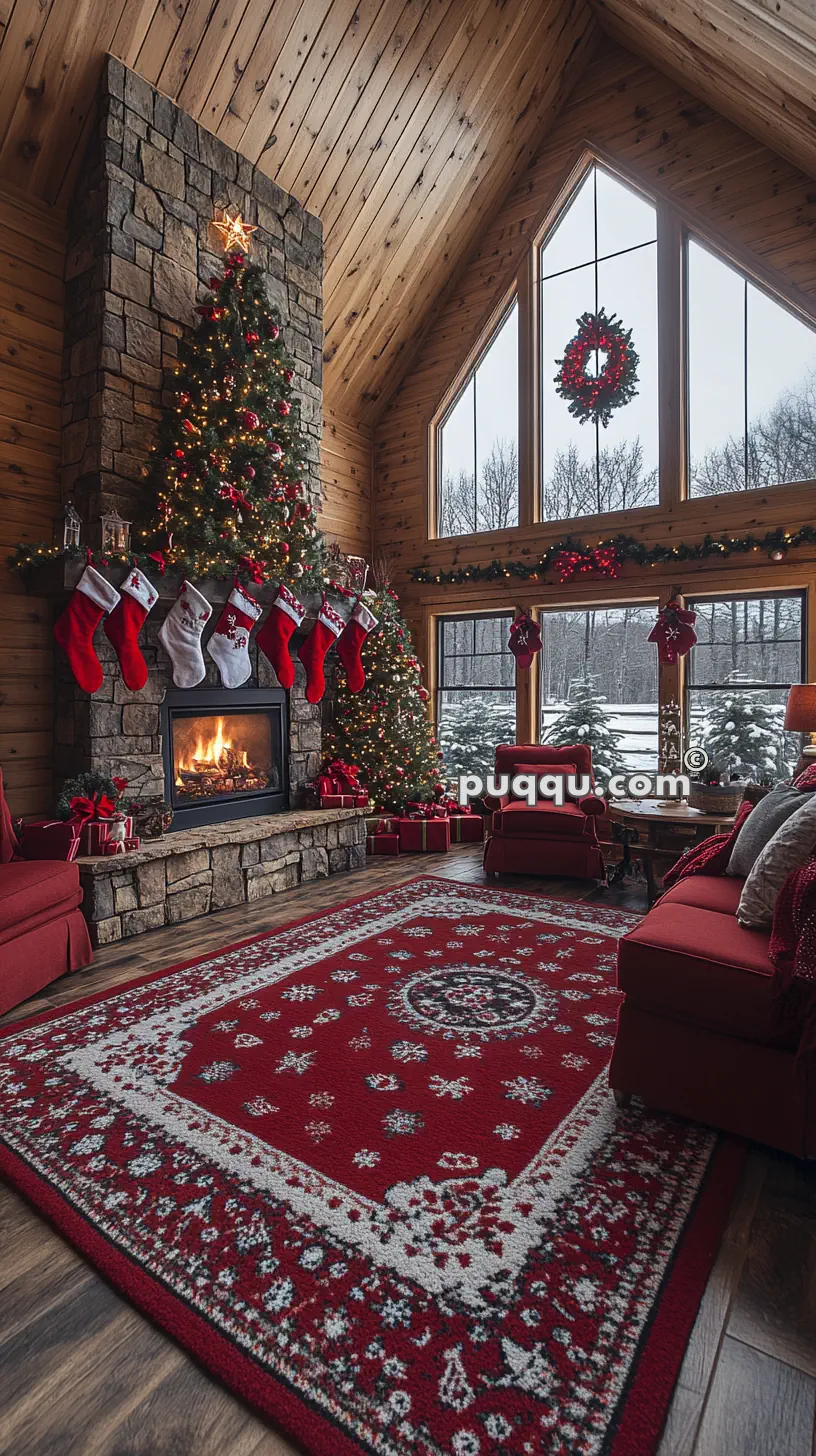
x=42 y=930
x=547 y=839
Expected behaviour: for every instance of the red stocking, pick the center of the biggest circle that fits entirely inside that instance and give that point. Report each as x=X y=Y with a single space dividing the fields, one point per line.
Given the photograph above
x=351 y=639
x=312 y=652
x=75 y=628
x=124 y=624
x=273 y=638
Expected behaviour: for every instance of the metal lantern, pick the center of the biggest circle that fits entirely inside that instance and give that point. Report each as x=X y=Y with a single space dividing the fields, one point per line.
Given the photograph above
x=67 y=527
x=357 y=568
x=115 y=533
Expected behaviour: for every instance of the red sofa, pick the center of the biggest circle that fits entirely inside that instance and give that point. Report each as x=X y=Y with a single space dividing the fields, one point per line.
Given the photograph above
x=700 y=1032
x=42 y=930
x=547 y=839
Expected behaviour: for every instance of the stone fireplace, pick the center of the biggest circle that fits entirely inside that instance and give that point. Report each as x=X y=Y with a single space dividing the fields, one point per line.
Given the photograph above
x=141 y=251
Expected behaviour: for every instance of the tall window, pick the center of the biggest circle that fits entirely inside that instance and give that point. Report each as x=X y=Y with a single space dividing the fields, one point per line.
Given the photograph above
x=751 y=383
x=602 y=253
x=477 y=441
x=600 y=664
x=750 y=649
x=476 y=707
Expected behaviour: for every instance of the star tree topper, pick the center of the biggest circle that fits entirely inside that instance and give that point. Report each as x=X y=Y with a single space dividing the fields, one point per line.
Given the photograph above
x=234 y=231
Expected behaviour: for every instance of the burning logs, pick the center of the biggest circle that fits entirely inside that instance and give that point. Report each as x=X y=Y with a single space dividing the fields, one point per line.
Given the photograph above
x=232 y=774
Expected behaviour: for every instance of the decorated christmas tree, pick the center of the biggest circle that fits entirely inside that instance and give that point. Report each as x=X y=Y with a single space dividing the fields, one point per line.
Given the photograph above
x=227 y=494
x=743 y=735
x=384 y=729
x=585 y=719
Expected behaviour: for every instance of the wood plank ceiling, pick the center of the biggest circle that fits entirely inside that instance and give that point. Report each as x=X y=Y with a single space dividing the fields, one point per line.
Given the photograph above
x=402 y=123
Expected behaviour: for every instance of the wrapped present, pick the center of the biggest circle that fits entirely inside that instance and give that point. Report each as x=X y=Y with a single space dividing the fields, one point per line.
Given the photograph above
x=344 y=801
x=416 y=810
x=466 y=828
x=95 y=833
x=113 y=846
x=382 y=844
x=50 y=839
x=381 y=824
x=132 y=842
x=424 y=836
x=345 y=775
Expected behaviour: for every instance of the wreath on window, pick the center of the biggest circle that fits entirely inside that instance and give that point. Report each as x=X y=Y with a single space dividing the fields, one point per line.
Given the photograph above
x=596 y=396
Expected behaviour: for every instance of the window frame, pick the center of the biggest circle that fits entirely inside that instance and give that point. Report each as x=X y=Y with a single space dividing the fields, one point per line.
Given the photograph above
x=599 y=605
x=676 y=224
x=440 y=621
x=451 y=398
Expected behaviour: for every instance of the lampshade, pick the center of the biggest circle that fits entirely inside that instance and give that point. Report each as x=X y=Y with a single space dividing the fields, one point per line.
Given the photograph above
x=800 y=713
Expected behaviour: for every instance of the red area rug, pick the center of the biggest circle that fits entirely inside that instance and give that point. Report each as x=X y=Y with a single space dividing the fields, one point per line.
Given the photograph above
x=368 y=1171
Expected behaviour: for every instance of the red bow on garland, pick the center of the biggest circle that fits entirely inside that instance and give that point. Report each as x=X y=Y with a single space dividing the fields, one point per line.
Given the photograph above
x=590 y=561
x=98 y=807
x=253 y=569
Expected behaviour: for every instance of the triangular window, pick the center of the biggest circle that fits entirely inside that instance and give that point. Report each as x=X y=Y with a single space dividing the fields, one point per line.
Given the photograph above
x=601 y=254
x=477 y=441
x=751 y=382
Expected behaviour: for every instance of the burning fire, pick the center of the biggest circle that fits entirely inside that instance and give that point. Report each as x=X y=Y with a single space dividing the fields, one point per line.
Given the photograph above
x=208 y=751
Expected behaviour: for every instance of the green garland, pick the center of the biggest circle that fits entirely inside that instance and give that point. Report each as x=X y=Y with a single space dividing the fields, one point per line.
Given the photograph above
x=27 y=558
x=775 y=544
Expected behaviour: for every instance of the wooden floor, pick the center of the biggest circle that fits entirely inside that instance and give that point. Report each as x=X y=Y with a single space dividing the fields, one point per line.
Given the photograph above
x=82 y=1374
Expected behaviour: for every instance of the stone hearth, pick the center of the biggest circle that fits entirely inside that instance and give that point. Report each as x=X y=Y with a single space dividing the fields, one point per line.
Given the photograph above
x=182 y=876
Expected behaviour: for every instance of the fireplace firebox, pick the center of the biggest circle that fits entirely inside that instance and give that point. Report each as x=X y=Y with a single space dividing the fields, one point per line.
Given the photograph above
x=225 y=753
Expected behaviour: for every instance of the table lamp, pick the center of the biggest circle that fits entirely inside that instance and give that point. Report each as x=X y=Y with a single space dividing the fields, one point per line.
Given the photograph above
x=800 y=717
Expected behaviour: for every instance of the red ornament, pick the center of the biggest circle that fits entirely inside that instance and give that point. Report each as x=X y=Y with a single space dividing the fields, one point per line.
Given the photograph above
x=424 y=694
x=248 y=472
x=189 y=427
x=284 y=548
x=179 y=454
x=252 y=338
x=288 y=375
x=184 y=398
x=250 y=419
x=283 y=407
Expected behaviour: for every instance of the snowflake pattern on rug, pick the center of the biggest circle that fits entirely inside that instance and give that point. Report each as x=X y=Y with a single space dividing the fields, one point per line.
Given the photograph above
x=445 y=1244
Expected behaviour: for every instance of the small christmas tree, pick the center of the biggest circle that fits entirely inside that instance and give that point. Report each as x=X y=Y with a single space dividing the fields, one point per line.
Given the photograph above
x=744 y=735
x=227 y=473
x=385 y=729
x=469 y=729
x=586 y=720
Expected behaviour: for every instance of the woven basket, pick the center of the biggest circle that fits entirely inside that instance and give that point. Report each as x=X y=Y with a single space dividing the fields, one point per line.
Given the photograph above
x=716 y=798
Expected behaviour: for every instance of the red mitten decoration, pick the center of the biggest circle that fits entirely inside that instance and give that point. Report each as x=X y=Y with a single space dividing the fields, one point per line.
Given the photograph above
x=273 y=638
x=312 y=652
x=351 y=639
x=124 y=624
x=75 y=628
x=673 y=632
x=525 y=639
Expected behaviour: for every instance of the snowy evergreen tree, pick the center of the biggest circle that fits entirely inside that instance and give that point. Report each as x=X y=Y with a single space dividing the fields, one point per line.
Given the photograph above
x=585 y=719
x=469 y=729
x=743 y=735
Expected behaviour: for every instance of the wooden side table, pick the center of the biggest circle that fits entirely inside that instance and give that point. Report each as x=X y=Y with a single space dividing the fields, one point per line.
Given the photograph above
x=640 y=822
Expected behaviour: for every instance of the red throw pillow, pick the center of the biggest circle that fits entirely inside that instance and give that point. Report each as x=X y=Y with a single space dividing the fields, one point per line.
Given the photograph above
x=807 y=778
x=712 y=856
x=536 y=770
x=792 y=950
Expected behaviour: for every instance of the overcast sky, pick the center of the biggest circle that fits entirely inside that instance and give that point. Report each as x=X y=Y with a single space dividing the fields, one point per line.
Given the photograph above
x=781 y=349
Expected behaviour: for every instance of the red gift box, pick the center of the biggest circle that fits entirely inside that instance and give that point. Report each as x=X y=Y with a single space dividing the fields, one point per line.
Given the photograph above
x=424 y=836
x=94 y=834
x=337 y=801
x=466 y=828
x=383 y=844
x=114 y=846
x=50 y=839
x=381 y=824
x=132 y=842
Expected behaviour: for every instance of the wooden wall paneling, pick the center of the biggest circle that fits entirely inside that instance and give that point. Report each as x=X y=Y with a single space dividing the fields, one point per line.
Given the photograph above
x=32 y=252
x=346 y=474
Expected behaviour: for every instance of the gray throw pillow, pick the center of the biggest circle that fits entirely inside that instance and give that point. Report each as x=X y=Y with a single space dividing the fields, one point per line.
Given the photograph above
x=791 y=847
x=761 y=825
